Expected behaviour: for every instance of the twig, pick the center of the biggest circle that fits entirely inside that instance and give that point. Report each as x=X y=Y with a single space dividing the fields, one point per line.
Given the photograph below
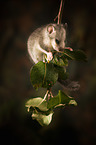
x=47 y=96
x=59 y=16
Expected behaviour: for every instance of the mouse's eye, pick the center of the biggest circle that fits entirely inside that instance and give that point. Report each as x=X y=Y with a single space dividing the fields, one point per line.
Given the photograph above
x=57 y=41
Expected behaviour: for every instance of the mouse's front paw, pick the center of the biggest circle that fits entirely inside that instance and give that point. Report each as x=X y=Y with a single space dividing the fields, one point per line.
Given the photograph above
x=69 y=48
x=49 y=56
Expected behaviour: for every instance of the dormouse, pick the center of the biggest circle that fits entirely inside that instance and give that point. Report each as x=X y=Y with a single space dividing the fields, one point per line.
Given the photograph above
x=45 y=40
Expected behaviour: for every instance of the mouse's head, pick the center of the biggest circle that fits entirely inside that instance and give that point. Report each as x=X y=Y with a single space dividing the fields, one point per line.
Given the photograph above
x=57 y=35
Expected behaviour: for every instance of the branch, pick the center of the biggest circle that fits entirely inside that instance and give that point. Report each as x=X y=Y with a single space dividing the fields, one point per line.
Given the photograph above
x=59 y=16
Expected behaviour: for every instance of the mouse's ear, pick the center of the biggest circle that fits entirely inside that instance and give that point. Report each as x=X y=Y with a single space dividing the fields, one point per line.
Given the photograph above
x=50 y=29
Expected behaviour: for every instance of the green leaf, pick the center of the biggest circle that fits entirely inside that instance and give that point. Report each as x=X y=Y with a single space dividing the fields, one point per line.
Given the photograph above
x=60 y=100
x=42 y=118
x=59 y=61
x=43 y=75
x=62 y=74
x=73 y=102
x=37 y=102
x=74 y=55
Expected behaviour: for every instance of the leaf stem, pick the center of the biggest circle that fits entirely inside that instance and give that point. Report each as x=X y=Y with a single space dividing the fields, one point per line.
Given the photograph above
x=68 y=55
x=44 y=74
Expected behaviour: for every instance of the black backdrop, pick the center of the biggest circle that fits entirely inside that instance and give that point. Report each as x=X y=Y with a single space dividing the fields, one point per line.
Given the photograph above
x=72 y=125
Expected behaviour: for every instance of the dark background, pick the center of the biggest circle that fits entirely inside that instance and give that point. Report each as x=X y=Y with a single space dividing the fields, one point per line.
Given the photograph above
x=72 y=125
